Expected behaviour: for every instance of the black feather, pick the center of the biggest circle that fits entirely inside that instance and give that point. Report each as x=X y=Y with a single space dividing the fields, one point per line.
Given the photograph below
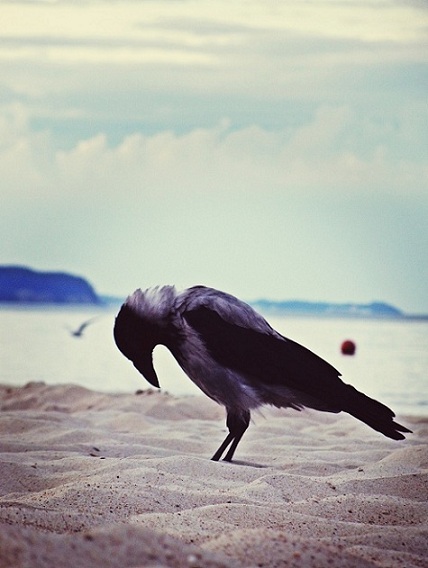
x=264 y=358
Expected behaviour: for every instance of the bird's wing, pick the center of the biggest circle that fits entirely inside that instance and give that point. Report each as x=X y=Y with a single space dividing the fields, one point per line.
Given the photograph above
x=228 y=307
x=85 y=324
x=266 y=358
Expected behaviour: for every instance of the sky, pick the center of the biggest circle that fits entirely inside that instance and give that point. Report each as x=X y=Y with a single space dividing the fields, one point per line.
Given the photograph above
x=270 y=149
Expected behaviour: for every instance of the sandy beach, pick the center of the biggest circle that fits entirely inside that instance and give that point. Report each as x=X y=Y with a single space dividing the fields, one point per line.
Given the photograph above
x=118 y=480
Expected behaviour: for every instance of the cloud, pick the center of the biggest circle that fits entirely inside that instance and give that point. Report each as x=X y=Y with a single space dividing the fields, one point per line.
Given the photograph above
x=332 y=152
x=131 y=32
x=184 y=64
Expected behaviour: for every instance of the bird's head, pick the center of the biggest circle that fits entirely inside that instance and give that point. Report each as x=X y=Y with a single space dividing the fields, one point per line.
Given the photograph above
x=136 y=338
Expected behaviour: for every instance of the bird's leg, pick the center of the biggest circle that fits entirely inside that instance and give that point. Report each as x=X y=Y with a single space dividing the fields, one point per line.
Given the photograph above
x=229 y=438
x=237 y=424
x=228 y=457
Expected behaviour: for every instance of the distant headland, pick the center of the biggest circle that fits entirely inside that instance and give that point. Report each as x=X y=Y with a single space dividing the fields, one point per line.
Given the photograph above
x=298 y=307
x=19 y=284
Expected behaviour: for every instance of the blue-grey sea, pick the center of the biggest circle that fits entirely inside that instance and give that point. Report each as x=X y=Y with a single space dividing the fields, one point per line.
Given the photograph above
x=36 y=344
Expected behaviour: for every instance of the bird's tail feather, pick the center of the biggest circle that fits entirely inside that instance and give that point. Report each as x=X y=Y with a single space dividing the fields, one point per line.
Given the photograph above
x=373 y=413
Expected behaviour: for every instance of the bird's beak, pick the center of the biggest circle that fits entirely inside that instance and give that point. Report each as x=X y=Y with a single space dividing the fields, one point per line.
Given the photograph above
x=144 y=364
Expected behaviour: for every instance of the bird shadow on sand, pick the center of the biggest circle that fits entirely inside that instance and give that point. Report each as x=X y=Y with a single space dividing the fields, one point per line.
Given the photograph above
x=246 y=463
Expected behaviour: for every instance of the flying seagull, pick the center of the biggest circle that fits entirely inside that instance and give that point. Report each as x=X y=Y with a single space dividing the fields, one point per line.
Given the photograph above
x=79 y=331
x=236 y=358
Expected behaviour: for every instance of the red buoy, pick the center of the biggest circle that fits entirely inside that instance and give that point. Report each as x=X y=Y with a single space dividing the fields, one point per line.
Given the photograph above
x=348 y=347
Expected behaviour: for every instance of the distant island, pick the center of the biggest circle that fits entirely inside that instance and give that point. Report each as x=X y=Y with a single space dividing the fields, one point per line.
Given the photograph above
x=23 y=285
x=298 y=307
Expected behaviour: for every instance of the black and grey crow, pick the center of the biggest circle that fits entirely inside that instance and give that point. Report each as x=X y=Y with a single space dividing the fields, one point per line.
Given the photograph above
x=236 y=358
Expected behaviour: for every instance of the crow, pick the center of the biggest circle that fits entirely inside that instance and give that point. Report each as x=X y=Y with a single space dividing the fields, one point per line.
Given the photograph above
x=237 y=359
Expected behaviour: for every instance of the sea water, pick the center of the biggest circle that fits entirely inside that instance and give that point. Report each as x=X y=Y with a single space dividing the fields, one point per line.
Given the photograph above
x=37 y=344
